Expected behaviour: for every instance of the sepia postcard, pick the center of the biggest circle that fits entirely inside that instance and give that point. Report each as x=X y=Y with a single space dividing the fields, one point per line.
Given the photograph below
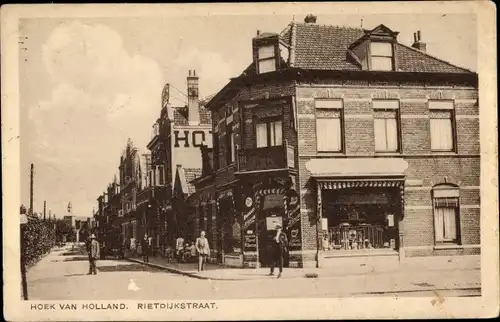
x=250 y=161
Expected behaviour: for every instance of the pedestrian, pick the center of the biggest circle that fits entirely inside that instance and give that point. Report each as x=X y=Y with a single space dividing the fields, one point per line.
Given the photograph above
x=179 y=248
x=278 y=250
x=145 y=249
x=94 y=253
x=203 y=249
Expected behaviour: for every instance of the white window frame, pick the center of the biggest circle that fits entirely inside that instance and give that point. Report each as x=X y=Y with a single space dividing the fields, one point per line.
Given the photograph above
x=271 y=138
x=389 y=105
x=233 y=147
x=336 y=105
x=443 y=106
x=385 y=56
x=266 y=58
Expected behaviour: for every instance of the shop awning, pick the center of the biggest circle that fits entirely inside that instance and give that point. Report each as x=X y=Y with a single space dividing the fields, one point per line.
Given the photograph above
x=373 y=168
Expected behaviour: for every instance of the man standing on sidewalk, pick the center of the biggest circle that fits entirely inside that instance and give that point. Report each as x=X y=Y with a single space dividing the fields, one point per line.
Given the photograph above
x=179 y=248
x=203 y=251
x=279 y=248
x=145 y=249
x=94 y=254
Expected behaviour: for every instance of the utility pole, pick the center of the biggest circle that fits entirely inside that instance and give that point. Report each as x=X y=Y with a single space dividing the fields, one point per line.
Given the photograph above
x=24 y=283
x=44 y=209
x=31 y=187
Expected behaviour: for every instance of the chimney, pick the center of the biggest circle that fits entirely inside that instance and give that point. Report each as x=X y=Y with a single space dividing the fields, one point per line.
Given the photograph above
x=193 y=99
x=310 y=18
x=258 y=32
x=418 y=43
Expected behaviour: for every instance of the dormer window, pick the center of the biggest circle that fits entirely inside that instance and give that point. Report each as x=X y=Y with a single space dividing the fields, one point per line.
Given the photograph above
x=381 y=56
x=266 y=59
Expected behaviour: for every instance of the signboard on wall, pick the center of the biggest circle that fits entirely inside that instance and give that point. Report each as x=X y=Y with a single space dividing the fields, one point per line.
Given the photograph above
x=324 y=223
x=250 y=241
x=272 y=201
x=192 y=138
x=272 y=222
x=185 y=144
x=294 y=239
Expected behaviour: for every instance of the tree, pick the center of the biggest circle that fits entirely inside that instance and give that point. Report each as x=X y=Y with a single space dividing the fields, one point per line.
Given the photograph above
x=63 y=228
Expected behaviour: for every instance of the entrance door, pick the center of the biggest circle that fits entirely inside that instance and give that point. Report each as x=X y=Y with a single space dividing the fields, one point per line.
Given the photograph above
x=267 y=233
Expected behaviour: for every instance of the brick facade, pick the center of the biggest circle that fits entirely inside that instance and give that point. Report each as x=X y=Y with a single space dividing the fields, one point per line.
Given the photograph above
x=414 y=80
x=461 y=168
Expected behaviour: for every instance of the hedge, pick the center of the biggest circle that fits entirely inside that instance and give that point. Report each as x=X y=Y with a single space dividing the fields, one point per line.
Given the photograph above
x=38 y=237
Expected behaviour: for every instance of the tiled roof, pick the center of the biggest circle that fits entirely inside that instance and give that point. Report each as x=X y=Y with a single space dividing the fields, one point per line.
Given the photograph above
x=181 y=116
x=413 y=60
x=324 y=47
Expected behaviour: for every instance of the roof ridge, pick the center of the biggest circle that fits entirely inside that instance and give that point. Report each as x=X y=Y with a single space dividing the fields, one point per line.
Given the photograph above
x=329 y=25
x=436 y=58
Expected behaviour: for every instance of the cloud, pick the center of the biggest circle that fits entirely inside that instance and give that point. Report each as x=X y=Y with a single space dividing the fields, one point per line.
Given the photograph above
x=213 y=70
x=102 y=96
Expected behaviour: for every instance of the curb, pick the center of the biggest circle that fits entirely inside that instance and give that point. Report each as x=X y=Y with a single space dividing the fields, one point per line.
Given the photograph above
x=201 y=277
x=180 y=272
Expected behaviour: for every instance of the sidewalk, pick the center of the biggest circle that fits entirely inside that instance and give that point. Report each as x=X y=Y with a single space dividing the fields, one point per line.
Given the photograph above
x=409 y=266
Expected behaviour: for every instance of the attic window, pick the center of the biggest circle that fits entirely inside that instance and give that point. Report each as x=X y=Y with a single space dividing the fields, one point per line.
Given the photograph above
x=266 y=59
x=381 y=56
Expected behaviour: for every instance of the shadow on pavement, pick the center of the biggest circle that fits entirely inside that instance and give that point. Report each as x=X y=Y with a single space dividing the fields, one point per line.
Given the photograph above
x=73 y=253
x=76 y=259
x=79 y=274
x=129 y=268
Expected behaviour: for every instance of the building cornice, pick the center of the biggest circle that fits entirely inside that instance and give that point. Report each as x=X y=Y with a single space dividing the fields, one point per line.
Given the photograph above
x=312 y=76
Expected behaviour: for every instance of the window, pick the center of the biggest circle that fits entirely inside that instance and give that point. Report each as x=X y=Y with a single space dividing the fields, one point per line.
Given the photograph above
x=381 y=56
x=269 y=133
x=161 y=175
x=266 y=59
x=230 y=137
x=442 y=125
x=329 y=125
x=386 y=125
x=446 y=214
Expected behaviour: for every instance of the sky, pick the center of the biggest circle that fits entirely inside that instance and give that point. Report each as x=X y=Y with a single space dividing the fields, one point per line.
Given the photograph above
x=87 y=85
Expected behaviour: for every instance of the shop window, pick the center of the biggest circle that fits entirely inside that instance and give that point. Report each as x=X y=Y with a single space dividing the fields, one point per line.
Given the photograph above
x=442 y=121
x=446 y=214
x=381 y=56
x=266 y=59
x=329 y=125
x=386 y=125
x=269 y=133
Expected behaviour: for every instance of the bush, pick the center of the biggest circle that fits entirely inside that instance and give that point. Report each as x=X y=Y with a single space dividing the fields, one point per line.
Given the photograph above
x=39 y=238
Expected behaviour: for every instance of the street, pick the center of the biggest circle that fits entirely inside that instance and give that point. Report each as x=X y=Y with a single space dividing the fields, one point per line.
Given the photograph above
x=63 y=275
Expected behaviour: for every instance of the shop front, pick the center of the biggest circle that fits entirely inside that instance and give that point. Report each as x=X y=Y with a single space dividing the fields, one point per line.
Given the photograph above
x=265 y=207
x=360 y=205
x=361 y=214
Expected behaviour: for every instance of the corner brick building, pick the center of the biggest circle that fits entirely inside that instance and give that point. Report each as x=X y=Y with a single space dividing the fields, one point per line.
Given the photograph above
x=355 y=143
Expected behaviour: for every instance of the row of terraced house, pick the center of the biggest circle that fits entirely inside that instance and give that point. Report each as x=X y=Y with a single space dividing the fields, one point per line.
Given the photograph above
x=352 y=141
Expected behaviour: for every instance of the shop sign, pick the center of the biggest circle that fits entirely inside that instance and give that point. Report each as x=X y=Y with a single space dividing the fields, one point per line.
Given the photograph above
x=324 y=223
x=290 y=157
x=272 y=222
x=250 y=241
x=248 y=202
x=295 y=240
